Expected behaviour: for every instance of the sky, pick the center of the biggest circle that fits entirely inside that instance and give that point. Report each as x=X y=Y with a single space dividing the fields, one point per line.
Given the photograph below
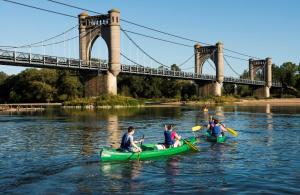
x=258 y=28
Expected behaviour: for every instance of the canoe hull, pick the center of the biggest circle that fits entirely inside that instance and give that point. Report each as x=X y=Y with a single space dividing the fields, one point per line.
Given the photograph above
x=149 y=152
x=212 y=138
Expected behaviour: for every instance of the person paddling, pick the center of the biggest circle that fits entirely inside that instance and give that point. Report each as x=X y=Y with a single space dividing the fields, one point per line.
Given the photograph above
x=210 y=125
x=218 y=129
x=127 y=142
x=172 y=139
x=205 y=108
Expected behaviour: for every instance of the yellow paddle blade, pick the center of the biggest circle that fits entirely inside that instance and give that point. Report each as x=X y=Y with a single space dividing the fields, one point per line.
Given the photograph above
x=196 y=128
x=232 y=131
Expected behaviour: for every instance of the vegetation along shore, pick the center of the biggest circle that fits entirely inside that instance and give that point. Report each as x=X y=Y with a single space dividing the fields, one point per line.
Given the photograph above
x=66 y=87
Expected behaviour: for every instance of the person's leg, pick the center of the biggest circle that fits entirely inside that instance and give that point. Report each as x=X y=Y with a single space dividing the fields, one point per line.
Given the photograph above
x=177 y=143
x=135 y=150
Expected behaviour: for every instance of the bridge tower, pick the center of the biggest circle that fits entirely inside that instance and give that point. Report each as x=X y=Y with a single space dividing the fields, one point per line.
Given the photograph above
x=106 y=26
x=215 y=53
x=266 y=66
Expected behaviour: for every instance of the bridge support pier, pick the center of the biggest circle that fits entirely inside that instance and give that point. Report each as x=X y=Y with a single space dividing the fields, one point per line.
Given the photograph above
x=261 y=91
x=96 y=85
x=205 y=89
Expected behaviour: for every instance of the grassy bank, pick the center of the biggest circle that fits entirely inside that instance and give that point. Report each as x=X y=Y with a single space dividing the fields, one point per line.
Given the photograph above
x=110 y=101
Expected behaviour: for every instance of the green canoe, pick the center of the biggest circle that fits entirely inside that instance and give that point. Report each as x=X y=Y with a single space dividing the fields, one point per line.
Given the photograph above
x=150 y=151
x=212 y=138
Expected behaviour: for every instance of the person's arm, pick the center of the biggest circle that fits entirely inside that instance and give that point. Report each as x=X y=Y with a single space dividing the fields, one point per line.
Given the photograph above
x=178 y=137
x=133 y=143
x=223 y=128
x=137 y=142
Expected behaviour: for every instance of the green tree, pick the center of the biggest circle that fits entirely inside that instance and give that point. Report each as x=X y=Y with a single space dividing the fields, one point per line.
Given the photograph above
x=3 y=76
x=288 y=74
x=228 y=89
x=69 y=86
x=188 y=90
x=41 y=91
x=174 y=67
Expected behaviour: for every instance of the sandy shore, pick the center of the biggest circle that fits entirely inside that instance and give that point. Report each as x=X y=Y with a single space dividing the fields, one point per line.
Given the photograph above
x=278 y=101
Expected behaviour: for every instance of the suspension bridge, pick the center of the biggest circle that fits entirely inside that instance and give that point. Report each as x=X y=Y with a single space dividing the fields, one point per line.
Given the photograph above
x=101 y=75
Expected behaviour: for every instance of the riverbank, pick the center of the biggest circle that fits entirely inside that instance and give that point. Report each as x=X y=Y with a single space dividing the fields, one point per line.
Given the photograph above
x=23 y=107
x=26 y=107
x=275 y=101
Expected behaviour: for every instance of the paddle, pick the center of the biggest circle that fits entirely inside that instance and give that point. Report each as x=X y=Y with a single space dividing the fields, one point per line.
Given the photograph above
x=196 y=128
x=141 y=147
x=230 y=130
x=192 y=146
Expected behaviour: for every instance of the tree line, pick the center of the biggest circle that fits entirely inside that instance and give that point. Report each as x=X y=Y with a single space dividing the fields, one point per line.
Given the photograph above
x=49 y=85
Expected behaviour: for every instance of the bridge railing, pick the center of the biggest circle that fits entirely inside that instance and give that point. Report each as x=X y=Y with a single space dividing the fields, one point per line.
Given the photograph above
x=243 y=81
x=164 y=72
x=276 y=84
x=13 y=56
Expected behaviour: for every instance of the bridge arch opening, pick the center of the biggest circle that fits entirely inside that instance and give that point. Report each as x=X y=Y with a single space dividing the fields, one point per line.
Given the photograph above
x=99 y=49
x=208 y=67
x=259 y=74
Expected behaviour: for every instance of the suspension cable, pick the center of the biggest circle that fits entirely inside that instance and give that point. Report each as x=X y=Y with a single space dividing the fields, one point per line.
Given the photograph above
x=148 y=36
x=188 y=59
x=42 y=9
x=243 y=59
x=58 y=42
x=130 y=59
x=43 y=41
x=231 y=67
x=211 y=64
x=142 y=49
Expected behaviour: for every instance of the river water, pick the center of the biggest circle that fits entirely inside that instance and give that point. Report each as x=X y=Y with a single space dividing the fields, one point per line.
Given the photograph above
x=57 y=152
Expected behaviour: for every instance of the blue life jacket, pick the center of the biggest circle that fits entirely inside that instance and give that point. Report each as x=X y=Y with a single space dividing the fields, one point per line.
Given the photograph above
x=217 y=130
x=168 y=138
x=125 y=144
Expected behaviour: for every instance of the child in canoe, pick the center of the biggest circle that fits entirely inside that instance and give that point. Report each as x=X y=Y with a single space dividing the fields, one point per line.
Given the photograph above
x=127 y=143
x=210 y=125
x=205 y=108
x=172 y=139
x=218 y=129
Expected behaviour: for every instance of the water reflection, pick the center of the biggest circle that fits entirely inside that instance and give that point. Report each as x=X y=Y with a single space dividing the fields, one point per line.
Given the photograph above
x=218 y=162
x=172 y=169
x=126 y=173
x=220 y=113
x=113 y=130
x=51 y=150
x=269 y=124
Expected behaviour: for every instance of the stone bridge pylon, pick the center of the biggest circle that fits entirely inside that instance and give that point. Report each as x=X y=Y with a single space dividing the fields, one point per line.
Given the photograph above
x=266 y=67
x=108 y=27
x=215 y=53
